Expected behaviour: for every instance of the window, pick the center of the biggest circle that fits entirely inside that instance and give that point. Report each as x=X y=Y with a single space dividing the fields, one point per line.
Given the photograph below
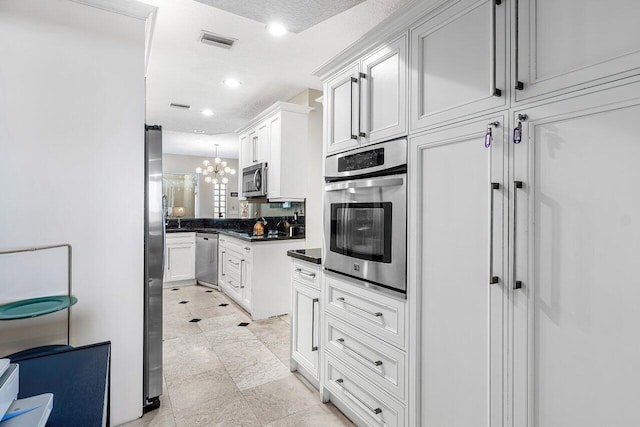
x=220 y=200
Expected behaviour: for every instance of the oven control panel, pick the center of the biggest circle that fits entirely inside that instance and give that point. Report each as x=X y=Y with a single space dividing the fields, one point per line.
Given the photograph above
x=362 y=160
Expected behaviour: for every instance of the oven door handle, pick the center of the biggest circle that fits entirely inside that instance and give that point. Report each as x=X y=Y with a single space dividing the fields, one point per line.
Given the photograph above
x=364 y=183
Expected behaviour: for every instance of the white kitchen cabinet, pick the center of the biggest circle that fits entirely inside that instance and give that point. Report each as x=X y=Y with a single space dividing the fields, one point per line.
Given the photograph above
x=256 y=275
x=341 y=110
x=180 y=258
x=574 y=252
x=459 y=59
x=367 y=101
x=457 y=245
x=278 y=136
x=563 y=46
x=305 y=325
x=364 y=351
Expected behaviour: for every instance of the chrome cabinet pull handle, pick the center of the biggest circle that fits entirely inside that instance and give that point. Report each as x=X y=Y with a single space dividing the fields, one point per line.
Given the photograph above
x=517 y=284
x=342 y=300
x=493 y=90
x=353 y=80
x=222 y=262
x=516 y=36
x=304 y=273
x=492 y=279
x=360 y=133
x=340 y=381
x=241 y=270
x=373 y=362
x=313 y=324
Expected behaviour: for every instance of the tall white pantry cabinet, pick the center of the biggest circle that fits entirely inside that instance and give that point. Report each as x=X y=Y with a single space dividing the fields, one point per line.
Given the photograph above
x=524 y=210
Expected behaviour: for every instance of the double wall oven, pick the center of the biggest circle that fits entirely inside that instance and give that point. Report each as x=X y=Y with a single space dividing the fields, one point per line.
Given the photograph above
x=366 y=214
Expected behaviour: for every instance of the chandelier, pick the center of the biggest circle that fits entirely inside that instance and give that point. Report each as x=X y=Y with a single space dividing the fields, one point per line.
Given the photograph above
x=214 y=173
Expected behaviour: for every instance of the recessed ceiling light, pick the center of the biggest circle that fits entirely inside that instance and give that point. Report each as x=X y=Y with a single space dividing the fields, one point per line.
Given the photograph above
x=277 y=29
x=207 y=112
x=232 y=83
x=198 y=131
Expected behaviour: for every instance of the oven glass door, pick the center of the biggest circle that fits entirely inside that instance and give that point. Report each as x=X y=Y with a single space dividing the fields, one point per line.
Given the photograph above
x=362 y=230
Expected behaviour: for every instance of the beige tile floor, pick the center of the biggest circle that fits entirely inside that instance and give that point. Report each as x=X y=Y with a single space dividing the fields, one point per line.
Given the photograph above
x=217 y=373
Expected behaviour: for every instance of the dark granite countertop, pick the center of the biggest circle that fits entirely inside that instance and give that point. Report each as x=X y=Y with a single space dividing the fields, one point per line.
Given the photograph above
x=249 y=237
x=313 y=256
x=238 y=234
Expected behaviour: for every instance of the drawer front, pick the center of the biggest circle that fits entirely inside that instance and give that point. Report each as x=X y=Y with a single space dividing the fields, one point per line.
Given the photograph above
x=381 y=363
x=378 y=314
x=180 y=238
x=306 y=273
x=232 y=265
x=243 y=248
x=373 y=406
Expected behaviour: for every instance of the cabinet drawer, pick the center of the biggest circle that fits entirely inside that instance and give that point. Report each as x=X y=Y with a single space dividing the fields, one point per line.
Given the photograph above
x=381 y=363
x=378 y=314
x=306 y=273
x=242 y=248
x=180 y=238
x=373 y=406
x=232 y=265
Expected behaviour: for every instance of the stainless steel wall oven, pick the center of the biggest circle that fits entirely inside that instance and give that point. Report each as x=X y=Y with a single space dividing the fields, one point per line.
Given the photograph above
x=366 y=214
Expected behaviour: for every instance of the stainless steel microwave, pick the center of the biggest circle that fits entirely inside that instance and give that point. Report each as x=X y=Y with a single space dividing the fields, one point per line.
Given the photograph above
x=254 y=180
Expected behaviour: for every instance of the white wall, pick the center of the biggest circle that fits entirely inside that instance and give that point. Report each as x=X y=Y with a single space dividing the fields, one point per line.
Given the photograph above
x=175 y=163
x=72 y=165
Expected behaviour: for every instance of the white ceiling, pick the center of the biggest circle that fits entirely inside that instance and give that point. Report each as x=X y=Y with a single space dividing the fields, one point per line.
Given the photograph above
x=191 y=144
x=182 y=69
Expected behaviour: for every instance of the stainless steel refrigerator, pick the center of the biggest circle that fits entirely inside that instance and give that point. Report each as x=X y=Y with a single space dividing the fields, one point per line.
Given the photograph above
x=153 y=268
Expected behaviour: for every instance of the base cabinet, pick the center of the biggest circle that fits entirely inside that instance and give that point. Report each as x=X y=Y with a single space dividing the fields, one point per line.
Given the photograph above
x=180 y=258
x=364 y=352
x=305 y=322
x=256 y=274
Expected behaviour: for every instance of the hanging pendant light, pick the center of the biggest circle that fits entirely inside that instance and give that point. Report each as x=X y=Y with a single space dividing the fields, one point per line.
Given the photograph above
x=218 y=168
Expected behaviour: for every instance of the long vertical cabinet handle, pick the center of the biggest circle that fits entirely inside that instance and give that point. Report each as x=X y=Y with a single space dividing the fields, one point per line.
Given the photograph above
x=313 y=324
x=363 y=76
x=222 y=262
x=354 y=80
x=516 y=36
x=255 y=145
x=241 y=270
x=517 y=284
x=492 y=279
x=494 y=91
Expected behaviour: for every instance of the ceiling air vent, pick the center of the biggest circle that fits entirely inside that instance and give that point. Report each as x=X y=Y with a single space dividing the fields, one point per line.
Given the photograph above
x=180 y=106
x=217 y=40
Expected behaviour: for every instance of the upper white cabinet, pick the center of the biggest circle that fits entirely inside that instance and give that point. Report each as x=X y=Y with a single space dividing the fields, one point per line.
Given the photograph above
x=279 y=137
x=367 y=101
x=562 y=46
x=459 y=63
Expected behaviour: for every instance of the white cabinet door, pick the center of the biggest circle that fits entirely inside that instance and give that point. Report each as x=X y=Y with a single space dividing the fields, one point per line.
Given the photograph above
x=383 y=86
x=341 y=115
x=261 y=147
x=304 y=324
x=457 y=244
x=569 y=44
x=245 y=151
x=577 y=219
x=459 y=63
x=181 y=262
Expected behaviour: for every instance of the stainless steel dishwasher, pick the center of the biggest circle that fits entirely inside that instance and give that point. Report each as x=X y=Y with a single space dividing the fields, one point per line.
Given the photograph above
x=207 y=259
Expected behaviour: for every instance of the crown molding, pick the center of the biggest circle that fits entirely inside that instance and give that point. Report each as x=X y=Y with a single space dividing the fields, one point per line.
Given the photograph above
x=277 y=107
x=130 y=8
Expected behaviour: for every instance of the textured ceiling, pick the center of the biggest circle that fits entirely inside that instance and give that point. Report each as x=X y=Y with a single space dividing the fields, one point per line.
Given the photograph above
x=182 y=69
x=295 y=15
